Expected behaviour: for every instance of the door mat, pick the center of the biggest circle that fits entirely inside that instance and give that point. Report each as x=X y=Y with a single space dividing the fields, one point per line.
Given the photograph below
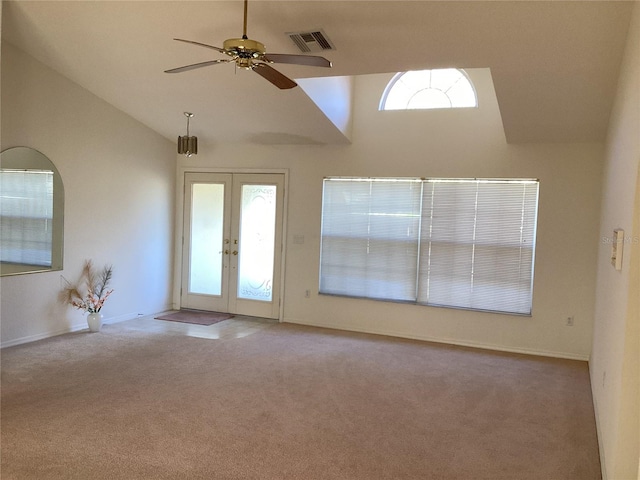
x=197 y=317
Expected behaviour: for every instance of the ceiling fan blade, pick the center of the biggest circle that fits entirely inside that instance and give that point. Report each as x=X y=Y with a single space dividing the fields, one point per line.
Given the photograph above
x=274 y=76
x=221 y=50
x=196 y=65
x=309 y=60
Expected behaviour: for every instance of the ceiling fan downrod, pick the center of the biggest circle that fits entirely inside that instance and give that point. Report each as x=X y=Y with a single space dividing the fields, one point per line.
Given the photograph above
x=244 y=26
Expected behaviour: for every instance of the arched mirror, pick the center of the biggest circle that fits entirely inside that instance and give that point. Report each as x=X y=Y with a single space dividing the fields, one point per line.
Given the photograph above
x=31 y=213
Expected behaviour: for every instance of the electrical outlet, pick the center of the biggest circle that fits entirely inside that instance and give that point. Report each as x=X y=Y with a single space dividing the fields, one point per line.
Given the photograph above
x=307 y=293
x=570 y=321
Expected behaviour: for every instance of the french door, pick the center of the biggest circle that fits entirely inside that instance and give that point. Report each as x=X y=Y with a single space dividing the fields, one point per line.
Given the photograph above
x=232 y=243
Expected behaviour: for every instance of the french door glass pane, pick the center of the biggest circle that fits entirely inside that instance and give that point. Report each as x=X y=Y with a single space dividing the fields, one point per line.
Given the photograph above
x=257 y=242
x=207 y=214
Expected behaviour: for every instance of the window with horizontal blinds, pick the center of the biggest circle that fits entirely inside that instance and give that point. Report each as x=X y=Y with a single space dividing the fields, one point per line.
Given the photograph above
x=370 y=238
x=26 y=215
x=463 y=243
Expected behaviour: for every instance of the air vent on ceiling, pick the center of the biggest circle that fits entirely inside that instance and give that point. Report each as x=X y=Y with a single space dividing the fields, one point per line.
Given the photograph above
x=311 y=41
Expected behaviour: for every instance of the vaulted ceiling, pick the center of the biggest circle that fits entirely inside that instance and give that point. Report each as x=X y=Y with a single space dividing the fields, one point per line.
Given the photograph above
x=554 y=64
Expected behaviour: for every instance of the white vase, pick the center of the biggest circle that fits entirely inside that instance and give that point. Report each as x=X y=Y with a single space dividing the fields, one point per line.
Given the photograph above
x=95 y=321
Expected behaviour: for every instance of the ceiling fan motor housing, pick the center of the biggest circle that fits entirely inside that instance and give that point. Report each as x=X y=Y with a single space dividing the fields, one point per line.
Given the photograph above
x=244 y=50
x=244 y=47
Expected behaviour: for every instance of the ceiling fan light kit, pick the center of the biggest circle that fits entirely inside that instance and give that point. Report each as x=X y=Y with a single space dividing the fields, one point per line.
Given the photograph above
x=251 y=55
x=187 y=145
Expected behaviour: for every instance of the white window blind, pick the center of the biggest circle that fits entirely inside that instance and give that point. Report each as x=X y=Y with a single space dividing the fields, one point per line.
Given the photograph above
x=446 y=242
x=478 y=238
x=370 y=230
x=26 y=214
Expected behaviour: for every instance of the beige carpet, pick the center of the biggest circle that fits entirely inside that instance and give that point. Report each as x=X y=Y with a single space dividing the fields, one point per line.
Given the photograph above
x=289 y=402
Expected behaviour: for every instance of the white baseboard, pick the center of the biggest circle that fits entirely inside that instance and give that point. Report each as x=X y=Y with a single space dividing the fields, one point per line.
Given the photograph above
x=448 y=341
x=120 y=318
x=603 y=466
x=75 y=328
x=42 y=336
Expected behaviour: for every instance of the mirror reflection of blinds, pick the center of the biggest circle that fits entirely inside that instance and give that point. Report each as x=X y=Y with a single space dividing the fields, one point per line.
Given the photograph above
x=462 y=243
x=26 y=214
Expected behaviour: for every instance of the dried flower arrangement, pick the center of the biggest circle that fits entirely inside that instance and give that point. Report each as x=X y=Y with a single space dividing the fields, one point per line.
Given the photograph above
x=91 y=290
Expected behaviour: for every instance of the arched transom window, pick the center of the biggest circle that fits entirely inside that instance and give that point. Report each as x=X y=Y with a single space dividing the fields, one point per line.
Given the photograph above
x=441 y=88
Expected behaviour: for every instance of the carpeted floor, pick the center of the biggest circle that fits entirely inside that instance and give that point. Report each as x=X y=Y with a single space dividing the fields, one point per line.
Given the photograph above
x=289 y=402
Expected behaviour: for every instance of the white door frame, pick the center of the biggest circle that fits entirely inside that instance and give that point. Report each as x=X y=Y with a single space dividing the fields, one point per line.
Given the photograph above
x=179 y=223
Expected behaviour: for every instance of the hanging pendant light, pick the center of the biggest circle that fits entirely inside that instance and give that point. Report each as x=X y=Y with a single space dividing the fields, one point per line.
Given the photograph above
x=188 y=145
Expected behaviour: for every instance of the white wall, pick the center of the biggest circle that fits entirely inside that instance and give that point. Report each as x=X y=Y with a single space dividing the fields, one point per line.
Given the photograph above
x=615 y=375
x=333 y=95
x=457 y=143
x=119 y=180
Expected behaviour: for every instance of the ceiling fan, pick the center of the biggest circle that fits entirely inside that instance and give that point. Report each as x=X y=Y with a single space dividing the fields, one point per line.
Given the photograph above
x=251 y=55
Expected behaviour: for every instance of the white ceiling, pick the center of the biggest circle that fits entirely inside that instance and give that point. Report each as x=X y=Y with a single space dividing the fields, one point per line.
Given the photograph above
x=554 y=63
